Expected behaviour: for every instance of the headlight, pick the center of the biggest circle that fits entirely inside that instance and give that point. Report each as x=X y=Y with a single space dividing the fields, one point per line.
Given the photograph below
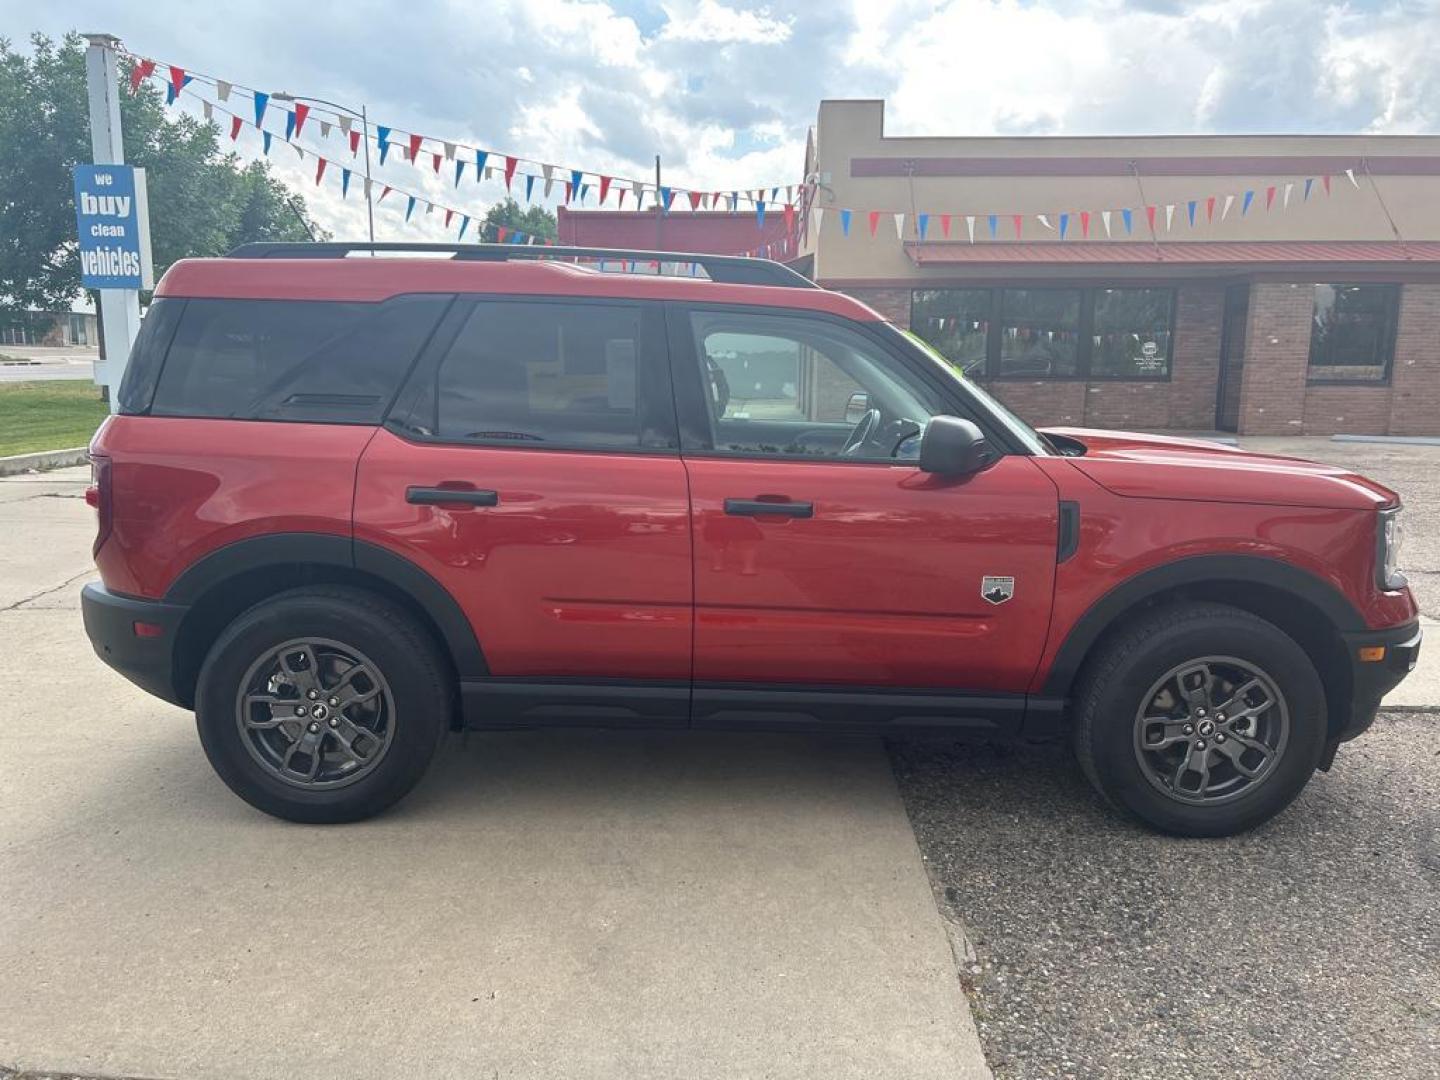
x=1392 y=536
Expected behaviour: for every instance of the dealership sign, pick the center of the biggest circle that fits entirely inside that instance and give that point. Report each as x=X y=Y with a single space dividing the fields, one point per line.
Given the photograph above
x=113 y=218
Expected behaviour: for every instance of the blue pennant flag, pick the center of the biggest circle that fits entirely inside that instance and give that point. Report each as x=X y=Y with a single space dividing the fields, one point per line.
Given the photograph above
x=922 y=222
x=1309 y=183
x=994 y=225
x=1064 y=224
x=575 y=177
x=1191 y=207
x=409 y=208
x=459 y=171
x=1245 y=206
x=170 y=94
x=759 y=213
x=382 y=137
x=665 y=199
x=464 y=224
x=584 y=190
x=529 y=185
x=260 y=101
x=1129 y=220
x=774 y=196
x=266 y=139
x=480 y=156
x=344 y=182
x=845 y=222
x=289 y=124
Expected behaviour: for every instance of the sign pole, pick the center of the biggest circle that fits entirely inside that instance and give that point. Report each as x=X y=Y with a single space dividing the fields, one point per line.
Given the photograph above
x=119 y=308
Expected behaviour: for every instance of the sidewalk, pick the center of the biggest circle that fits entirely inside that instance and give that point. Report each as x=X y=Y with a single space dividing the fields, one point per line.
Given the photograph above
x=544 y=905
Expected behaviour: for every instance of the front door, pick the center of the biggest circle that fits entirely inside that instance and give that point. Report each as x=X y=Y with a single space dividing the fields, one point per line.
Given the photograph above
x=531 y=467
x=823 y=556
x=1232 y=357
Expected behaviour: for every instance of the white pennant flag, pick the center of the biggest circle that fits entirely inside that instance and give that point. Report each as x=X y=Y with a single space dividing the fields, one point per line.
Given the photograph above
x=345 y=124
x=900 y=226
x=324 y=129
x=1229 y=202
x=222 y=89
x=208 y=110
x=789 y=193
x=639 y=188
x=549 y=171
x=449 y=151
x=299 y=151
x=1105 y=220
x=819 y=215
x=429 y=207
x=1285 y=202
x=970 y=226
x=1169 y=215
x=1351 y=174
x=1044 y=221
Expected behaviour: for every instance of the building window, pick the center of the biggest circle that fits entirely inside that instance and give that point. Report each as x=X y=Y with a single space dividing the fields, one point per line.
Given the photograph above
x=1096 y=333
x=1131 y=333
x=1352 y=332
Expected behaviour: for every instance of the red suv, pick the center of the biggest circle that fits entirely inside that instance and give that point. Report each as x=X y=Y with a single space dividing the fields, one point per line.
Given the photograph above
x=349 y=503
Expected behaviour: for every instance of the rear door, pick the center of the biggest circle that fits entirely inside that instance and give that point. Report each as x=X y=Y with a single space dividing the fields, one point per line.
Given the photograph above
x=531 y=467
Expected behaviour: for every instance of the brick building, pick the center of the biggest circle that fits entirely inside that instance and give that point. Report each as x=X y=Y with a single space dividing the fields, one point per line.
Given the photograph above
x=1317 y=314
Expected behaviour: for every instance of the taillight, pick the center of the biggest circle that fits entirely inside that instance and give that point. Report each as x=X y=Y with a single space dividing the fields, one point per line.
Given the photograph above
x=99 y=495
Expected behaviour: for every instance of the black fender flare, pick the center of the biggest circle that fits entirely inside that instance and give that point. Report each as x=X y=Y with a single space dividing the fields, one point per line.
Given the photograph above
x=1195 y=570
x=328 y=549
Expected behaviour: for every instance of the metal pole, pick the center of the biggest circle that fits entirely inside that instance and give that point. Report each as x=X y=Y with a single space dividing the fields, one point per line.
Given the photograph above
x=119 y=308
x=369 y=197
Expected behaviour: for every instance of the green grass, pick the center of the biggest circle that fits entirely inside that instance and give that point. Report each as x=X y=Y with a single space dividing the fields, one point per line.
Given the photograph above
x=56 y=415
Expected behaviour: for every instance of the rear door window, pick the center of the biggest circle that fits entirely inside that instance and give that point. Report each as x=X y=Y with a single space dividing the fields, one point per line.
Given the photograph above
x=305 y=360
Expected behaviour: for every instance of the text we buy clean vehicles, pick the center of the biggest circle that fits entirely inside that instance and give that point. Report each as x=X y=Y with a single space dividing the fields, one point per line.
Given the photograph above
x=113 y=225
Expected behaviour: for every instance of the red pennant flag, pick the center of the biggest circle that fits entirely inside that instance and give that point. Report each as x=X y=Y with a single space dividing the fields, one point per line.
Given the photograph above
x=437 y=159
x=354 y=142
x=1017 y=220
x=874 y=221
x=235 y=123
x=1269 y=196
x=500 y=233
x=605 y=189
x=414 y=148
x=1325 y=180
x=320 y=169
x=387 y=191
x=567 y=192
x=301 y=112
x=177 y=79
x=1210 y=208
x=139 y=72
x=622 y=198
x=448 y=215
x=1084 y=224
x=1150 y=217
x=694 y=200
x=945 y=226
x=789 y=218
x=510 y=164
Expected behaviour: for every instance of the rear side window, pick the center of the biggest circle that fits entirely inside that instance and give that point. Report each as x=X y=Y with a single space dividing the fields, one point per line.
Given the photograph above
x=543 y=374
x=308 y=360
x=147 y=356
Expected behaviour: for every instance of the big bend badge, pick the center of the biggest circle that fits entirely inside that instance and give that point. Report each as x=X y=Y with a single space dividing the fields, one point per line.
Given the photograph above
x=996 y=590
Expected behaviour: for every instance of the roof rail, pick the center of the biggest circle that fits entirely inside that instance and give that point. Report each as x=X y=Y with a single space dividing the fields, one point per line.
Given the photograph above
x=729 y=269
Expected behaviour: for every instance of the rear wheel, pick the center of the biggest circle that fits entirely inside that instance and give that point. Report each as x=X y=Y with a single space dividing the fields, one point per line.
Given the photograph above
x=1201 y=720
x=323 y=704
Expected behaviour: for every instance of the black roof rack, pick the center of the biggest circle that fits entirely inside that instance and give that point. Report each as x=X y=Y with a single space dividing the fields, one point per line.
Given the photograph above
x=729 y=269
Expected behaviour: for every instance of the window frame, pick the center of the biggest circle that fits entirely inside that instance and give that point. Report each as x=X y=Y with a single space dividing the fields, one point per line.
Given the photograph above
x=1085 y=346
x=696 y=438
x=1392 y=333
x=653 y=403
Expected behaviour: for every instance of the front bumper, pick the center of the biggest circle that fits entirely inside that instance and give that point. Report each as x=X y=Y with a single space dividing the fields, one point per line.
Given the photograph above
x=135 y=637
x=1379 y=662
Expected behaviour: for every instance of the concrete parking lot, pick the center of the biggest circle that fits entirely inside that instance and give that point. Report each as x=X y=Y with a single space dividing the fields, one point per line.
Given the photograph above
x=630 y=905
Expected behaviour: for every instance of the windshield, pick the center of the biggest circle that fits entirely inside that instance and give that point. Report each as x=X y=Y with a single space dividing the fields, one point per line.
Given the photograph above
x=1027 y=436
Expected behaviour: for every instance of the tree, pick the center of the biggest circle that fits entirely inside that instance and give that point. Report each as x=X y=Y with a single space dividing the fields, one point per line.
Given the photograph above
x=533 y=221
x=203 y=202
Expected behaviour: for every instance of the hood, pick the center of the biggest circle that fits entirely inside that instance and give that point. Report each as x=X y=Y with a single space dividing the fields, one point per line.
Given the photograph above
x=1163 y=467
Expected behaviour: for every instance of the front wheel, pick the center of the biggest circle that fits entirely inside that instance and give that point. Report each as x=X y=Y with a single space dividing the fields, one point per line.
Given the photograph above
x=323 y=704
x=1201 y=720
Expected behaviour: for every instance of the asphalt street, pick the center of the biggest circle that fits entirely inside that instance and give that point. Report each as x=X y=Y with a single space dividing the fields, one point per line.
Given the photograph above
x=24 y=363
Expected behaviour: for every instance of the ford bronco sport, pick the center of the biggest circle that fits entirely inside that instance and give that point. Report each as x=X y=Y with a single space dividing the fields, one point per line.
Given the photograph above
x=350 y=503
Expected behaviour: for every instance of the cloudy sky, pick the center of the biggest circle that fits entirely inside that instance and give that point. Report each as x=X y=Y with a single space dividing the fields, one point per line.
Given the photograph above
x=724 y=90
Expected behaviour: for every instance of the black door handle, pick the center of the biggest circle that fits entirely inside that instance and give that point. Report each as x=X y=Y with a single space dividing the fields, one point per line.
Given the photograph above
x=760 y=507
x=436 y=496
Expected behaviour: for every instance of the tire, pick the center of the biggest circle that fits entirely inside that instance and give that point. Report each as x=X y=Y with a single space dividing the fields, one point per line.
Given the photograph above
x=382 y=699
x=1155 y=769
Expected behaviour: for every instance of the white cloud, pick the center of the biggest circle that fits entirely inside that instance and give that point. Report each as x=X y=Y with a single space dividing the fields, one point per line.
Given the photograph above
x=714 y=23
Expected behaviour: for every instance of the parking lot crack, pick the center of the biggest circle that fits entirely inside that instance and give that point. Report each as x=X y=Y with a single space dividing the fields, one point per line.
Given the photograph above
x=19 y=604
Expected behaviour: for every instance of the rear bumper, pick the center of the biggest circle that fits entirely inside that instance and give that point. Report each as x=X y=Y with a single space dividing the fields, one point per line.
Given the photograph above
x=146 y=659
x=1373 y=679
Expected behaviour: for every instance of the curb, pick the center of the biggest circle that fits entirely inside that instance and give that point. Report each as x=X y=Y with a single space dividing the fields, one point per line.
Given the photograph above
x=45 y=459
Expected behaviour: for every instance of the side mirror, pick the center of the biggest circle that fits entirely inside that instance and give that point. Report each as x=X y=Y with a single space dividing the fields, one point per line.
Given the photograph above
x=954 y=447
x=857 y=407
